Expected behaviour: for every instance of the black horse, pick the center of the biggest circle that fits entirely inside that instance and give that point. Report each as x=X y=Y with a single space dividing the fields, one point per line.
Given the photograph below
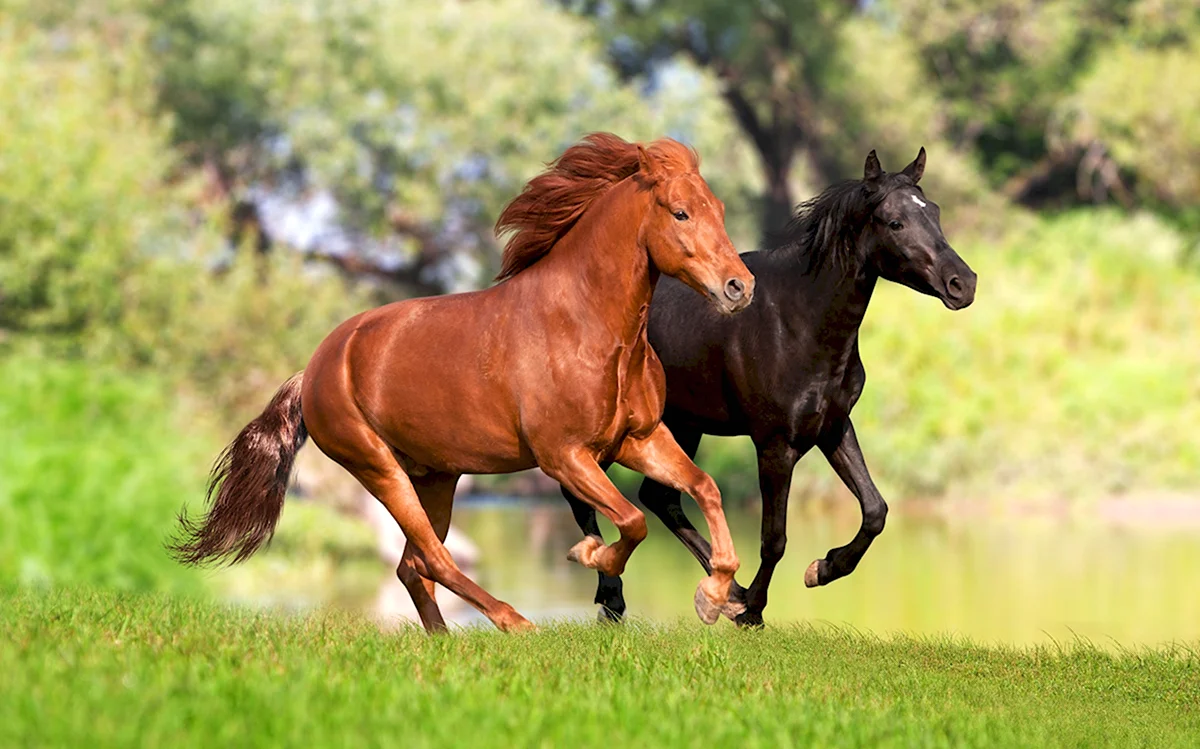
x=786 y=371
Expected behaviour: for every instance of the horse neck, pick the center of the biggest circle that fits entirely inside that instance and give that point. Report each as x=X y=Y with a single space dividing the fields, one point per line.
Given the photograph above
x=599 y=268
x=833 y=297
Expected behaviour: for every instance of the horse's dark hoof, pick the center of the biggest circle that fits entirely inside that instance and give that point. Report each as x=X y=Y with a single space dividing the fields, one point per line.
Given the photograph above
x=749 y=620
x=816 y=574
x=608 y=616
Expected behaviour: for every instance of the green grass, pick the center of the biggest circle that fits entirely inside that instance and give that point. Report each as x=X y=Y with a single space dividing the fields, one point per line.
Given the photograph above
x=119 y=669
x=94 y=463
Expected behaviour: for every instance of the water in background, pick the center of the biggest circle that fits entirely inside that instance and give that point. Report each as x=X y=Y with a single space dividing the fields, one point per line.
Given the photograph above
x=1007 y=581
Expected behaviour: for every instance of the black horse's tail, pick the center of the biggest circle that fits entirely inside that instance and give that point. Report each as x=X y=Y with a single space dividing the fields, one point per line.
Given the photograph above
x=247 y=486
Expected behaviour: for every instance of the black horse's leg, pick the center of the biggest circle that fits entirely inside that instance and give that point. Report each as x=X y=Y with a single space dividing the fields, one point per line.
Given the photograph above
x=776 y=461
x=609 y=593
x=841 y=448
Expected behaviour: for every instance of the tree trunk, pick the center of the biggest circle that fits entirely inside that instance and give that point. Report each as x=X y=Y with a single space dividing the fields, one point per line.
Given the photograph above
x=778 y=202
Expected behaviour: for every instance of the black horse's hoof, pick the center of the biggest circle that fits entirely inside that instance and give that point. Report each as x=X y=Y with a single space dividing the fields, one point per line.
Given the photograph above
x=817 y=574
x=749 y=620
x=609 y=616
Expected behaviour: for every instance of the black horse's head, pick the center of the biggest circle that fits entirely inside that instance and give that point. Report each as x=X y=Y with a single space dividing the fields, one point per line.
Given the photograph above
x=904 y=240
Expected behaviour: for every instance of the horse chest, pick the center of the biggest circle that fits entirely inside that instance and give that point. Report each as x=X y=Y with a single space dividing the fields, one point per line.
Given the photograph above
x=822 y=402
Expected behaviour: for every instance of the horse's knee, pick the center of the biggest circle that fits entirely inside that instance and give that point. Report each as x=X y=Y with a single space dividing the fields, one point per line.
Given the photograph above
x=875 y=519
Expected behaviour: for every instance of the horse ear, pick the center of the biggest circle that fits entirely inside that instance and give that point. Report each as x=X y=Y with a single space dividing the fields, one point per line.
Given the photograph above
x=647 y=166
x=917 y=168
x=873 y=170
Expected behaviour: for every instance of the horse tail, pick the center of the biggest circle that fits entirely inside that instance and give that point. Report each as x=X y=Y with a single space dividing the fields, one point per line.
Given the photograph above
x=247 y=486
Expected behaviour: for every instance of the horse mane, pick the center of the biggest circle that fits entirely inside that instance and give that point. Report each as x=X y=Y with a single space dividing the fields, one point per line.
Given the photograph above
x=826 y=227
x=554 y=201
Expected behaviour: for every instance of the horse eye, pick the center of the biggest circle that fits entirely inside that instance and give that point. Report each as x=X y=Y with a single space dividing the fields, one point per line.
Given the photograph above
x=895 y=225
x=680 y=215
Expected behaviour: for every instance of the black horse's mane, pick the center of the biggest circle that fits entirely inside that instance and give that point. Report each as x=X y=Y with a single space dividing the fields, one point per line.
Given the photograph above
x=825 y=229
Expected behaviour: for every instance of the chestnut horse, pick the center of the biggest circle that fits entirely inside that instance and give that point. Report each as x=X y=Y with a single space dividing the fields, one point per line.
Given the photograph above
x=550 y=368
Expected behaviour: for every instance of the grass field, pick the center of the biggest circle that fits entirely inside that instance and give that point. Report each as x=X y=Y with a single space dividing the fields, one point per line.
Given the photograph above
x=105 y=669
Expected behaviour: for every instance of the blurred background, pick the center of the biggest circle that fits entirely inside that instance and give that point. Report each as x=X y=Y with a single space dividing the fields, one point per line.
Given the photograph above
x=194 y=192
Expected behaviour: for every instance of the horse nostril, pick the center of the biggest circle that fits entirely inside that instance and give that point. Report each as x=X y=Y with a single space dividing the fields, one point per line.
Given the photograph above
x=735 y=289
x=955 y=287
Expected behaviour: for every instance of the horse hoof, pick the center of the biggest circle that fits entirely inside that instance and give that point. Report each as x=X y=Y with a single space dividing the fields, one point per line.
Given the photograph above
x=706 y=609
x=736 y=605
x=510 y=621
x=607 y=616
x=811 y=576
x=750 y=620
x=521 y=625
x=584 y=552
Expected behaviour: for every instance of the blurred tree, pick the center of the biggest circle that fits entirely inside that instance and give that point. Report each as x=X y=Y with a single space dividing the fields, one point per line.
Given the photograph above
x=813 y=84
x=777 y=62
x=411 y=123
x=381 y=137
x=1002 y=69
x=81 y=157
x=103 y=252
x=1134 y=113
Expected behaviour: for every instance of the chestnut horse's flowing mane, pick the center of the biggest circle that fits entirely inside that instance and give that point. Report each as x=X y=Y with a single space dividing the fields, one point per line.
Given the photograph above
x=554 y=200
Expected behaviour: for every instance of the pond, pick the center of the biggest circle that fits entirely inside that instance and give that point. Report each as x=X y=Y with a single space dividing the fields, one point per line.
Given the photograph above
x=1009 y=580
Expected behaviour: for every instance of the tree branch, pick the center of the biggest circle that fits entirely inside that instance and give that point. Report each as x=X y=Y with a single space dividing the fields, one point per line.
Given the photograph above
x=747 y=118
x=354 y=265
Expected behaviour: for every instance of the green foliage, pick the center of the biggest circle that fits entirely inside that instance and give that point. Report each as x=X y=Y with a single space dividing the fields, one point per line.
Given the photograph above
x=813 y=84
x=105 y=253
x=1002 y=68
x=422 y=119
x=896 y=114
x=82 y=165
x=116 y=670
x=235 y=336
x=1138 y=101
x=93 y=466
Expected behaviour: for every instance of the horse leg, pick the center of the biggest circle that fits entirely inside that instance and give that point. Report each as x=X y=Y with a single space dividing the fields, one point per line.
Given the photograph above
x=659 y=457
x=370 y=460
x=609 y=590
x=580 y=474
x=420 y=589
x=776 y=461
x=436 y=492
x=666 y=503
x=843 y=453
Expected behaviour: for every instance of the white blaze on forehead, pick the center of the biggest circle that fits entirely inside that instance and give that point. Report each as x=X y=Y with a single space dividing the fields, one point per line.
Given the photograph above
x=918 y=201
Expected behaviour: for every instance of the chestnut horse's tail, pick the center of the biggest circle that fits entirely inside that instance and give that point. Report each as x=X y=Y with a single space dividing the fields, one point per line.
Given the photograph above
x=247 y=486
